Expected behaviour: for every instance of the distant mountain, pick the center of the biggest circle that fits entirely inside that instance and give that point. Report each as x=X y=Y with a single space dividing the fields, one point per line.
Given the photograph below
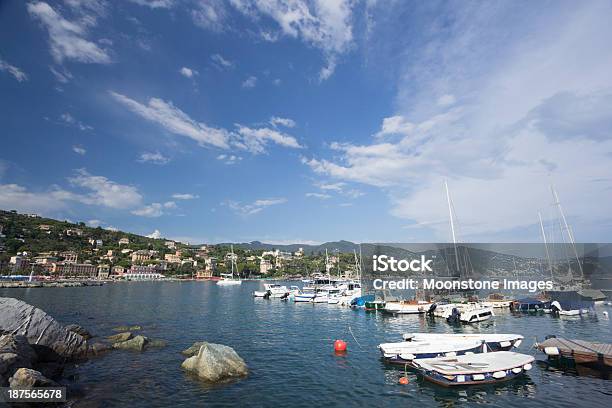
x=341 y=246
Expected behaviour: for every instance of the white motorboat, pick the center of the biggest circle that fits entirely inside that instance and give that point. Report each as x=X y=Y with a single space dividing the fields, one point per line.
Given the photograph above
x=272 y=290
x=405 y=352
x=470 y=314
x=556 y=307
x=474 y=369
x=494 y=341
x=407 y=307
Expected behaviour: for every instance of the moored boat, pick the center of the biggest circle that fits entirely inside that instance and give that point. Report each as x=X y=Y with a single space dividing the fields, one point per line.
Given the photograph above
x=474 y=369
x=405 y=352
x=407 y=307
x=493 y=341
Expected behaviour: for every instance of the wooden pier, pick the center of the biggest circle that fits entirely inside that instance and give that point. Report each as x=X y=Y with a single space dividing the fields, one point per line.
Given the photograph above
x=582 y=352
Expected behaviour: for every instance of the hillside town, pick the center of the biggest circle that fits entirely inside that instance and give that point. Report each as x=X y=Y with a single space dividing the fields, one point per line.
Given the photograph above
x=50 y=249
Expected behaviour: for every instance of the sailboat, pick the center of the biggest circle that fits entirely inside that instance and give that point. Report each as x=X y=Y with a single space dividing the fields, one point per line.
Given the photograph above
x=228 y=278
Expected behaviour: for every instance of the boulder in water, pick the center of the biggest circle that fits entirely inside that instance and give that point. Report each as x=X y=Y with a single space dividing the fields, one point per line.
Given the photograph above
x=138 y=343
x=194 y=349
x=40 y=329
x=120 y=337
x=28 y=378
x=216 y=362
x=75 y=328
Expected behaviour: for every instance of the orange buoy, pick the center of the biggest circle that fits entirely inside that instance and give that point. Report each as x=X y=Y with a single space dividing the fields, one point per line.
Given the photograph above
x=340 y=346
x=403 y=380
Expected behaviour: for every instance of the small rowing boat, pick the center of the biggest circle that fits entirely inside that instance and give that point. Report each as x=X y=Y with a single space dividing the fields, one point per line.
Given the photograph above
x=474 y=369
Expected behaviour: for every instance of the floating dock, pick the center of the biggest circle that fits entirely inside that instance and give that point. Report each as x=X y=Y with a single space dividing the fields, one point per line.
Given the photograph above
x=582 y=352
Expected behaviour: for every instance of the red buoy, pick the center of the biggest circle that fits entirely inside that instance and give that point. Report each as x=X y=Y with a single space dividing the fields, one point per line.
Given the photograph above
x=339 y=346
x=403 y=380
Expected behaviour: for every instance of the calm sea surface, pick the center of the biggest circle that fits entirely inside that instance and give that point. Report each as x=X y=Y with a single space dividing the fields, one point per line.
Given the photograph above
x=288 y=348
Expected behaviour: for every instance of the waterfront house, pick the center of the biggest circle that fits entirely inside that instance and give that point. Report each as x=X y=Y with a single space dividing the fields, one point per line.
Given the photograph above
x=173 y=258
x=141 y=272
x=264 y=266
x=103 y=271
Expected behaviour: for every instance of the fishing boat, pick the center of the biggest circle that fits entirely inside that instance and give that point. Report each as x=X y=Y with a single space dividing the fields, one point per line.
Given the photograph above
x=493 y=341
x=228 y=279
x=405 y=352
x=407 y=307
x=474 y=369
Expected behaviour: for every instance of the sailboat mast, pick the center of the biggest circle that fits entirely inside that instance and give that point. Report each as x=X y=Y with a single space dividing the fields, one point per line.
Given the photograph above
x=232 y=260
x=567 y=228
x=452 y=222
x=545 y=244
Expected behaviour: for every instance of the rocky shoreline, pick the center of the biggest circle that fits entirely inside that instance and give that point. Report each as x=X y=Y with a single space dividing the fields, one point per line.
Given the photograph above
x=36 y=350
x=50 y=284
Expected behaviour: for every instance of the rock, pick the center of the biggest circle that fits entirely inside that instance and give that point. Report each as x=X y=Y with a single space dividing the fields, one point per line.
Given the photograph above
x=99 y=348
x=156 y=343
x=120 y=337
x=41 y=329
x=15 y=352
x=194 y=349
x=75 y=328
x=138 y=343
x=28 y=378
x=127 y=328
x=216 y=362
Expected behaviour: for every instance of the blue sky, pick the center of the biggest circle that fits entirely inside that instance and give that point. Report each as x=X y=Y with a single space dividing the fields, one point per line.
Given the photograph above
x=308 y=121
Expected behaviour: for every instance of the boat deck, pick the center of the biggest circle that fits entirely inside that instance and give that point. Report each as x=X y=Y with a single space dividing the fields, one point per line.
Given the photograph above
x=582 y=352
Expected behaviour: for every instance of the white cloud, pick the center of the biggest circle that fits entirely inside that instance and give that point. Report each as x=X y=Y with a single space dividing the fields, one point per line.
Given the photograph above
x=154 y=210
x=16 y=197
x=17 y=73
x=250 y=82
x=255 y=207
x=185 y=196
x=321 y=196
x=153 y=157
x=68 y=39
x=155 y=3
x=155 y=234
x=188 y=72
x=255 y=140
x=446 y=100
x=79 y=150
x=94 y=223
x=229 y=158
x=63 y=76
x=326 y=25
x=70 y=120
x=395 y=125
x=209 y=14
x=111 y=228
x=220 y=62
x=103 y=191
x=276 y=121
x=175 y=120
